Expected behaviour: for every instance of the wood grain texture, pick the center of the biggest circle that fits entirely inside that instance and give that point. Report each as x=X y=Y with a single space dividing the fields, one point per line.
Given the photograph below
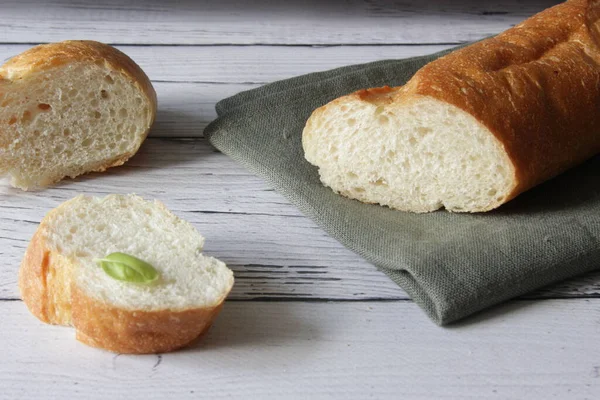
x=273 y=249
x=184 y=109
x=190 y=80
x=307 y=347
x=247 y=64
x=261 y=22
x=273 y=350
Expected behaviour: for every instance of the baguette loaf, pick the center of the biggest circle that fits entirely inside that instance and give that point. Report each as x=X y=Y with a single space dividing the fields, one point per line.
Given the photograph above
x=62 y=283
x=473 y=129
x=69 y=108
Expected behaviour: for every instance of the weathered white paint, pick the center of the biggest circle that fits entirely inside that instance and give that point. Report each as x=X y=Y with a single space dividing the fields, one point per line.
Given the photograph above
x=186 y=108
x=294 y=350
x=248 y=64
x=262 y=22
x=307 y=348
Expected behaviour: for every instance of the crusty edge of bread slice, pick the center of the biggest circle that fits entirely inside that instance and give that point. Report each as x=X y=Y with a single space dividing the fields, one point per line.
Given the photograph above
x=48 y=290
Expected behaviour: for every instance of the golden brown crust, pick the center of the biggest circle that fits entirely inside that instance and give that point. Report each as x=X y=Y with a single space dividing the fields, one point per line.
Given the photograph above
x=44 y=282
x=32 y=278
x=137 y=332
x=48 y=56
x=536 y=87
x=53 y=297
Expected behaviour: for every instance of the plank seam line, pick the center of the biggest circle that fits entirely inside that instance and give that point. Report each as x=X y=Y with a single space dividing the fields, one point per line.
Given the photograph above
x=290 y=299
x=244 y=213
x=364 y=300
x=265 y=44
x=212 y=82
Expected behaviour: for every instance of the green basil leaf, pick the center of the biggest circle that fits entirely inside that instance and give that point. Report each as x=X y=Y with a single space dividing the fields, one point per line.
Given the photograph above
x=124 y=267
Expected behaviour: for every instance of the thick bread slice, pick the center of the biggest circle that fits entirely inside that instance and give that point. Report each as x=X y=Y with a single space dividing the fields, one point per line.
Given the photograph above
x=69 y=108
x=473 y=129
x=62 y=284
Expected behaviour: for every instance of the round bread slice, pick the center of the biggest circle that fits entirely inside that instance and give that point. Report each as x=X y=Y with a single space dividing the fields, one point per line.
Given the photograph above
x=69 y=108
x=62 y=283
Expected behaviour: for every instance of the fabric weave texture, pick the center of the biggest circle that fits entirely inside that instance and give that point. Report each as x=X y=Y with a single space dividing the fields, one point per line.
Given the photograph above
x=451 y=265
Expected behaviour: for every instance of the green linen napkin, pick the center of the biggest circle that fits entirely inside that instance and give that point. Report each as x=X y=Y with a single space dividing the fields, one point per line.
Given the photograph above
x=451 y=265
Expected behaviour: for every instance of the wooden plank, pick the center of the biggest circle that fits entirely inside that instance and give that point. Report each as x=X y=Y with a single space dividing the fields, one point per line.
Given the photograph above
x=190 y=80
x=295 y=350
x=248 y=64
x=184 y=109
x=261 y=22
x=274 y=251
x=272 y=248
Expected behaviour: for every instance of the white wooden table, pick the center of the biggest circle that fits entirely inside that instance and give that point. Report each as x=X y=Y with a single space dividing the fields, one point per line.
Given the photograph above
x=307 y=318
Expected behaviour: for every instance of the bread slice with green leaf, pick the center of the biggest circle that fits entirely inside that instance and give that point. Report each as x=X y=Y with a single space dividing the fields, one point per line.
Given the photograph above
x=69 y=108
x=126 y=273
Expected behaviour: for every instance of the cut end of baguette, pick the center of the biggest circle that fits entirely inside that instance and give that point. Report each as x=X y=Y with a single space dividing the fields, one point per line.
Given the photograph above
x=121 y=316
x=69 y=108
x=415 y=155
